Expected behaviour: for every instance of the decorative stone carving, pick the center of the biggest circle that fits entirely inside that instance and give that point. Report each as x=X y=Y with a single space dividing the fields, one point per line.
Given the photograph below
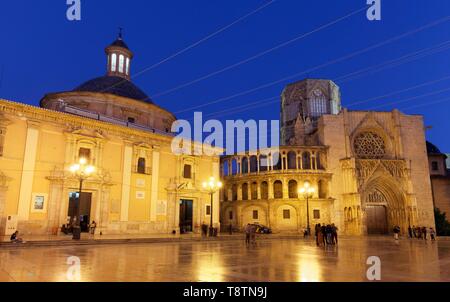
x=369 y=145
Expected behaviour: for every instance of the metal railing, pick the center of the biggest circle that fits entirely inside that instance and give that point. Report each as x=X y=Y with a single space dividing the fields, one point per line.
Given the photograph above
x=112 y=120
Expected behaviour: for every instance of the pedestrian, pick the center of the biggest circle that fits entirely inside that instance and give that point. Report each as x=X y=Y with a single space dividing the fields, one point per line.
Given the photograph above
x=410 y=232
x=414 y=229
x=323 y=232
x=248 y=231
x=396 y=232
x=424 y=233
x=93 y=227
x=419 y=233
x=334 y=234
x=432 y=234
x=204 y=229
x=329 y=234
x=316 y=233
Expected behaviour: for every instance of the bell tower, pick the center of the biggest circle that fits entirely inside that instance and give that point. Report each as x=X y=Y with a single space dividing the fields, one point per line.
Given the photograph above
x=119 y=58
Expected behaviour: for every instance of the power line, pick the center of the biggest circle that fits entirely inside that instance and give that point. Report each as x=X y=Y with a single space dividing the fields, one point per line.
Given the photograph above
x=427 y=103
x=409 y=99
x=401 y=91
x=348 y=77
x=267 y=51
x=395 y=62
x=332 y=62
x=208 y=37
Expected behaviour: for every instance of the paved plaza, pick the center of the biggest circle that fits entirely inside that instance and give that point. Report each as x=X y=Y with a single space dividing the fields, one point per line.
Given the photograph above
x=271 y=260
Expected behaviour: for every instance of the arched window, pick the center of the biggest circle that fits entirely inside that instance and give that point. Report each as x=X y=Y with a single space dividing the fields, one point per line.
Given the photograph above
x=276 y=161
x=253 y=164
x=306 y=158
x=264 y=190
x=292 y=160
x=128 y=66
x=263 y=163
x=319 y=161
x=141 y=166
x=113 y=62
x=278 y=189
x=225 y=168
x=322 y=189
x=234 y=167
x=244 y=165
x=121 y=63
x=245 y=191
x=369 y=145
x=234 y=192
x=293 y=193
x=254 y=190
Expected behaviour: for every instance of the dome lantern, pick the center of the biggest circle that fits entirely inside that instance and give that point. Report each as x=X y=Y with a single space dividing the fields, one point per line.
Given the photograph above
x=119 y=58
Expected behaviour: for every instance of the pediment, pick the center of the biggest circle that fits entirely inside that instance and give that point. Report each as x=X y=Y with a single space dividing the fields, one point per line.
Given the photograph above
x=83 y=132
x=370 y=123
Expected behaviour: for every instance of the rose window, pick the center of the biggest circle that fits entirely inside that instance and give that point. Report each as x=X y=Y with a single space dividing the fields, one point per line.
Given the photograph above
x=369 y=145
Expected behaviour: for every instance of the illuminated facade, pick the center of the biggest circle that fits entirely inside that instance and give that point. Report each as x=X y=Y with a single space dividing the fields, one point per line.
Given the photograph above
x=369 y=170
x=139 y=185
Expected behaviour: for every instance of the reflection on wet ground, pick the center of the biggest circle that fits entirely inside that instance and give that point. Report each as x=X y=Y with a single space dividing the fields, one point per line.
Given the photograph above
x=270 y=260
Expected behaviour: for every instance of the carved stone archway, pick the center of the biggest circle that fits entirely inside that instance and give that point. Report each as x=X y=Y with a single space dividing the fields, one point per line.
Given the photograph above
x=382 y=196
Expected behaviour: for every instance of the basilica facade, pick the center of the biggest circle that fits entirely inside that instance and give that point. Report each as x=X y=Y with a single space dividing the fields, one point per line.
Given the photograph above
x=363 y=171
x=139 y=185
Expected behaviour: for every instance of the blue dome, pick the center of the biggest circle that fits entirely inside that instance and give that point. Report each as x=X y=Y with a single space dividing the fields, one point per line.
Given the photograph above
x=115 y=85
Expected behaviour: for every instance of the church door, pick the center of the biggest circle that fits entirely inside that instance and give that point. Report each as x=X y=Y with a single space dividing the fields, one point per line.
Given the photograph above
x=376 y=220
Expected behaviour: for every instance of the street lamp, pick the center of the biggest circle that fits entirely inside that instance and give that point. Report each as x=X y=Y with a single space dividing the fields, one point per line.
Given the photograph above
x=81 y=171
x=212 y=186
x=308 y=192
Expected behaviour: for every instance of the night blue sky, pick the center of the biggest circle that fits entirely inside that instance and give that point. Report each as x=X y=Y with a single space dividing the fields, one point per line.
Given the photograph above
x=41 y=52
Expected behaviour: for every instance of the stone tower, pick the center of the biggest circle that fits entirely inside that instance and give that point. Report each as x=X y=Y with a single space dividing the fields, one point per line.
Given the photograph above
x=302 y=103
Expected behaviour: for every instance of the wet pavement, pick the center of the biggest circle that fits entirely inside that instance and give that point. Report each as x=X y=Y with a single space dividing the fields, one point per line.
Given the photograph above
x=271 y=260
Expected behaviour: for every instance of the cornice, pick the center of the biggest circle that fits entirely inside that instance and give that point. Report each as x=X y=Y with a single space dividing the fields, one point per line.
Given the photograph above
x=64 y=119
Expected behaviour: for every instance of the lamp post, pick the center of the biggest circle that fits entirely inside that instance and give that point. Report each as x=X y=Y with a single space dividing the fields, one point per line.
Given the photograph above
x=81 y=171
x=212 y=186
x=308 y=192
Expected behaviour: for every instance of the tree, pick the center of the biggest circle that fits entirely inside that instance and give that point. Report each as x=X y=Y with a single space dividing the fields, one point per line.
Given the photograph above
x=442 y=224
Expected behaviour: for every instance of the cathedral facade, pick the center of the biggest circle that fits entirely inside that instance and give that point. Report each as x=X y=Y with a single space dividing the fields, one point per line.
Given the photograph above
x=139 y=185
x=363 y=171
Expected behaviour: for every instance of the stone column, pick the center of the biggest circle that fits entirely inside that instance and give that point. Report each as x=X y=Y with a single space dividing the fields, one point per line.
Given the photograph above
x=270 y=188
x=155 y=184
x=239 y=191
x=28 y=167
x=216 y=202
x=258 y=191
x=103 y=219
x=54 y=205
x=126 y=181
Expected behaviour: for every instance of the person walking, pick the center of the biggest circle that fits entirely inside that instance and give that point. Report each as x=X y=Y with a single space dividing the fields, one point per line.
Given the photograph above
x=410 y=232
x=329 y=232
x=396 y=232
x=419 y=233
x=248 y=232
x=414 y=229
x=323 y=232
x=432 y=234
x=424 y=233
x=93 y=226
x=316 y=233
x=334 y=234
